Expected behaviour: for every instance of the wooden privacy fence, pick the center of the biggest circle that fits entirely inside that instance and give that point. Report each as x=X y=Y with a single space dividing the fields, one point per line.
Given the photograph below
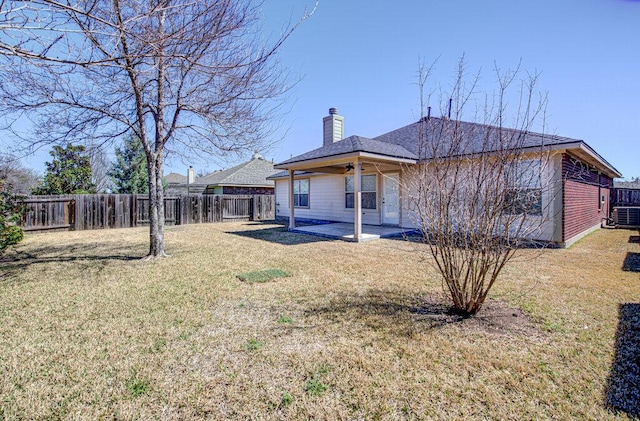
x=100 y=211
x=625 y=197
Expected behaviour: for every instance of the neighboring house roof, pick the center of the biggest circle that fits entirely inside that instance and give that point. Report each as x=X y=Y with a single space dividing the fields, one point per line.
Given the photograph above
x=251 y=173
x=175 y=178
x=626 y=184
x=403 y=143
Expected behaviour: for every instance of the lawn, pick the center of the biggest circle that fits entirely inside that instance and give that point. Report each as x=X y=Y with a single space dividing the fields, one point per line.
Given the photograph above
x=88 y=330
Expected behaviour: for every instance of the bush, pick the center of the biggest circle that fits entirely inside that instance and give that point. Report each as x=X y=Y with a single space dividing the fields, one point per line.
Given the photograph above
x=10 y=213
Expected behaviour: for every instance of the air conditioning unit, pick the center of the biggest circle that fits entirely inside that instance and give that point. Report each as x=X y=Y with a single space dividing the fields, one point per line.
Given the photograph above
x=626 y=216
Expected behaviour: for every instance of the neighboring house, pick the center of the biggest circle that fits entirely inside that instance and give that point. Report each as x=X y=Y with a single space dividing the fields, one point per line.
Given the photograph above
x=626 y=193
x=635 y=184
x=318 y=185
x=247 y=178
x=175 y=184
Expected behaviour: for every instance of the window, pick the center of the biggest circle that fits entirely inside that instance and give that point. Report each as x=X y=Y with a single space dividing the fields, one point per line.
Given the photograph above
x=301 y=193
x=525 y=195
x=367 y=188
x=519 y=201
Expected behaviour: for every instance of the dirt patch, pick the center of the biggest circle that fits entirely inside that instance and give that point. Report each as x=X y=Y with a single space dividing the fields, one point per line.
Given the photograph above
x=410 y=315
x=495 y=317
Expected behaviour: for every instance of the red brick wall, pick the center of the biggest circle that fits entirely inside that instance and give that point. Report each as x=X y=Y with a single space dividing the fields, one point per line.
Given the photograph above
x=582 y=191
x=581 y=210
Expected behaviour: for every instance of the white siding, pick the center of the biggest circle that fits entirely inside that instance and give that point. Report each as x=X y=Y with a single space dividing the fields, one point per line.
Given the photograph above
x=326 y=201
x=549 y=228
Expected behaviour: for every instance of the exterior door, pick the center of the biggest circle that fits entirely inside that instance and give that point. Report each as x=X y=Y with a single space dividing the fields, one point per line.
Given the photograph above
x=390 y=199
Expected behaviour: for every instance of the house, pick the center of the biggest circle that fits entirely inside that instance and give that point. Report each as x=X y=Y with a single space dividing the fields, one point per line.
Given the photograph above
x=319 y=184
x=175 y=184
x=248 y=178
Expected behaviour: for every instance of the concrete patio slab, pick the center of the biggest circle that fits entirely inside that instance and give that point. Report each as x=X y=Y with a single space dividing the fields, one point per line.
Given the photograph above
x=344 y=231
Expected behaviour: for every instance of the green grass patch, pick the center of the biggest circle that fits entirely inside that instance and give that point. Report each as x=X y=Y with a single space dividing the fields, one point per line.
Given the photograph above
x=285 y=319
x=315 y=387
x=137 y=386
x=259 y=276
x=286 y=399
x=254 y=345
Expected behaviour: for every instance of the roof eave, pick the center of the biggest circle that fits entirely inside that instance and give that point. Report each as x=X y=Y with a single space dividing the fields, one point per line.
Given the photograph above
x=238 y=185
x=582 y=146
x=311 y=163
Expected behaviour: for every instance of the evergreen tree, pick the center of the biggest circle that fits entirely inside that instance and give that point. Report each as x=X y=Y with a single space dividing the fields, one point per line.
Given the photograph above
x=129 y=173
x=68 y=173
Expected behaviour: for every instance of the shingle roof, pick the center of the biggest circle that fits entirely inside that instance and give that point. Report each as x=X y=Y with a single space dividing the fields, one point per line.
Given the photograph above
x=404 y=142
x=175 y=178
x=250 y=173
x=474 y=134
x=355 y=144
x=627 y=184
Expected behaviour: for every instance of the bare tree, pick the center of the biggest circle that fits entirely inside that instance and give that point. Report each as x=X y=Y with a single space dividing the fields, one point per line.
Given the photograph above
x=180 y=74
x=15 y=178
x=478 y=191
x=100 y=168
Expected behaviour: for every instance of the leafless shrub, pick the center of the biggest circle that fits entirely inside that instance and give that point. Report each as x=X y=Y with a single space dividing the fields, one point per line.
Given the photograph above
x=482 y=189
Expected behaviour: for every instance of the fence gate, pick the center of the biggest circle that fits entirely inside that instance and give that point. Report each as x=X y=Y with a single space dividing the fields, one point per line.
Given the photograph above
x=48 y=213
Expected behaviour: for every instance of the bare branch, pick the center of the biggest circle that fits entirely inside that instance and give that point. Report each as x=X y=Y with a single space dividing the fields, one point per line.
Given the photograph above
x=482 y=189
x=179 y=74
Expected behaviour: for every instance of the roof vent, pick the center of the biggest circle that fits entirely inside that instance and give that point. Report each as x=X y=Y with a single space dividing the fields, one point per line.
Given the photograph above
x=333 y=111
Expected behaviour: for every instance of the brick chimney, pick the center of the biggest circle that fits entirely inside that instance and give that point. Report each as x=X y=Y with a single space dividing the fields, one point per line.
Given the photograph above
x=332 y=127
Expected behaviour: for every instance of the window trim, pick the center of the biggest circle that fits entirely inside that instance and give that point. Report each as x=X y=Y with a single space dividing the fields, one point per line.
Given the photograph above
x=296 y=183
x=362 y=191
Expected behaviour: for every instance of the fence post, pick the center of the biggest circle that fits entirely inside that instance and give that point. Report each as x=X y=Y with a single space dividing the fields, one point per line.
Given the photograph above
x=254 y=203
x=72 y=214
x=77 y=202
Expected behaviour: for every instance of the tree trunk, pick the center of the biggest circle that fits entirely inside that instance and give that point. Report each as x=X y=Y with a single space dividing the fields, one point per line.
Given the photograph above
x=156 y=208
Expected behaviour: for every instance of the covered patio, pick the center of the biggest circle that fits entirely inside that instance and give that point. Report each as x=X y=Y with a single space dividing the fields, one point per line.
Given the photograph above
x=345 y=231
x=348 y=156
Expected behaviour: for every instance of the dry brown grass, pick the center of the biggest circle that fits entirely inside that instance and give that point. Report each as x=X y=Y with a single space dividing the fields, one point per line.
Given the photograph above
x=356 y=331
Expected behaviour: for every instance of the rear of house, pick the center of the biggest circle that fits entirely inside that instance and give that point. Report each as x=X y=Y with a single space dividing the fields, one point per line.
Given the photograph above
x=573 y=202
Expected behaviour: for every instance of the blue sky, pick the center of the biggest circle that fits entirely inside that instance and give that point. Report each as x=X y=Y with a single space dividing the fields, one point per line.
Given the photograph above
x=361 y=57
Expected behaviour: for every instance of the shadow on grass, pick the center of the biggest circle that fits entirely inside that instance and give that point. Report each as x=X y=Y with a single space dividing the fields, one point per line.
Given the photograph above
x=278 y=235
x=634 y=239
x=407 y=315
x=89 y=253
x=623 y=387
x=631 y=262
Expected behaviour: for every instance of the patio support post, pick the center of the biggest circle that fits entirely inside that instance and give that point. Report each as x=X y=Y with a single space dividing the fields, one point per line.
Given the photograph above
x=357 y=203
x=292 y=221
